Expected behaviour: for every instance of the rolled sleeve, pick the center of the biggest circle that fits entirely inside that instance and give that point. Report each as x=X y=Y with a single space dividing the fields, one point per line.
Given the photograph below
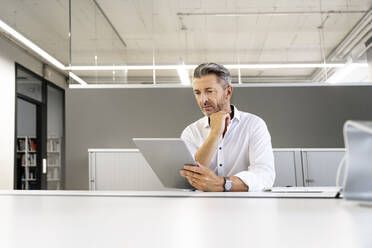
x=261 y=171
x=187 y=136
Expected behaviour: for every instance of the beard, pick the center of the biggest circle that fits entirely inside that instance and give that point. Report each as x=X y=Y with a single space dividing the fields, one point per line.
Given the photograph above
x=221 y=105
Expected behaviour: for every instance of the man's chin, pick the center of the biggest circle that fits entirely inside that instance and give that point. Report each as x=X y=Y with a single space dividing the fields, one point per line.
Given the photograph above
x=207 y=113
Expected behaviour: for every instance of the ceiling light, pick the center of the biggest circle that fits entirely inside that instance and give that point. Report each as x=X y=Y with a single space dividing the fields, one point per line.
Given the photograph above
x=126 y=67
x=284 y=65
x=347 y=72
x=77 y=79
x=183 y=74
x=191 y=67
x=181 y=69
x=9 y=30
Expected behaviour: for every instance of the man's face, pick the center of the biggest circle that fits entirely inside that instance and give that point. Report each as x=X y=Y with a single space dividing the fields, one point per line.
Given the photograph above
x=210 y=94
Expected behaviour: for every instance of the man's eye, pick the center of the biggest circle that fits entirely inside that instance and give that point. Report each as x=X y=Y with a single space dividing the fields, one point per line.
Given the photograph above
x=197 y=93
x=210 y=91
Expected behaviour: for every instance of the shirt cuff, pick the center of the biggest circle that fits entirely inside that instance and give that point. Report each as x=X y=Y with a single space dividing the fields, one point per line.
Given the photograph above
x=250 y=179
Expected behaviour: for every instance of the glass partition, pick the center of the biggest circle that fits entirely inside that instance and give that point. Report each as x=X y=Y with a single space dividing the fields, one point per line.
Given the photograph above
x=55 y=138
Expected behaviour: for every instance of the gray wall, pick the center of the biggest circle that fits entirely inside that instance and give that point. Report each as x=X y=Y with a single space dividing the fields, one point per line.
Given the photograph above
x=296 y=117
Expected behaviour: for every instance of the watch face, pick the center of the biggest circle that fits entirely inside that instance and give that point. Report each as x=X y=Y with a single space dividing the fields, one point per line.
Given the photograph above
x=228 y=184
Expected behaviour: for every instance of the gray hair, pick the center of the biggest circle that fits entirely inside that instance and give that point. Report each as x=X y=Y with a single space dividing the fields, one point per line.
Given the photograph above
x=212 y=68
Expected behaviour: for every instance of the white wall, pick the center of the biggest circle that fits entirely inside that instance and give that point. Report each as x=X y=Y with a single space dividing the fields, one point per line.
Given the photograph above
x=9 y=55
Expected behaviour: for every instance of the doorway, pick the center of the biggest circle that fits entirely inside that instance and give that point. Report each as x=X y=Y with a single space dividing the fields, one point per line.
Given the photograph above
x=39 y=133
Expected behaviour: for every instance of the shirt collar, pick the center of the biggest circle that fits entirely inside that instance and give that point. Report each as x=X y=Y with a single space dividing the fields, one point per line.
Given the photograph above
x=236 y=117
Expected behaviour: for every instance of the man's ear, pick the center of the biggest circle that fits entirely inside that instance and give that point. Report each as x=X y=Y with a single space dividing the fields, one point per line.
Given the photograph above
x=229 y=91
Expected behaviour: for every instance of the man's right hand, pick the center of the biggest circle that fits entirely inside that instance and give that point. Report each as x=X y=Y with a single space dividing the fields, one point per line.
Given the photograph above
x=219 y=122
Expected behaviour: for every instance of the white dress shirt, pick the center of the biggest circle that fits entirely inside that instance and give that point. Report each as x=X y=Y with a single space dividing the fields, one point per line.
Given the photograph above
x=245 y=151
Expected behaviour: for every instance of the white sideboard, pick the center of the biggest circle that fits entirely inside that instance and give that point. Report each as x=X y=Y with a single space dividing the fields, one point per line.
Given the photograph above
x=126 y=169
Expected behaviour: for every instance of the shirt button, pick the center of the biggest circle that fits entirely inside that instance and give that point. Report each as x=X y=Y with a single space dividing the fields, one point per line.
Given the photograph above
x=220 y=148
x=220 y=164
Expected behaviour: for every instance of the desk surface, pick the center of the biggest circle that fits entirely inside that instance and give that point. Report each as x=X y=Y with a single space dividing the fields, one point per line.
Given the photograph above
x=71 y=219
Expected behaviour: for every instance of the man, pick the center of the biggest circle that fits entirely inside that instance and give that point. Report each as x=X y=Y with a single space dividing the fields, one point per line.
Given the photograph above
x=232 y=148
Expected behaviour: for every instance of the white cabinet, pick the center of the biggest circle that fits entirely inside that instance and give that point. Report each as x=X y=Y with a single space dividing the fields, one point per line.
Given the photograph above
x=120 y=169
x=288 y=167
x=320 y=166
x=307 y=167
x=126 y=169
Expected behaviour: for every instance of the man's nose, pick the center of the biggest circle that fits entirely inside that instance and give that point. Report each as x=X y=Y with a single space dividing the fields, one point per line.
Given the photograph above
x=204 y=98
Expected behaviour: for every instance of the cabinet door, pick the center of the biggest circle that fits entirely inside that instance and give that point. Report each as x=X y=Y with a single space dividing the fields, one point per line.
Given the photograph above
x=285 y=168
x=122 y=171
x=320 y=167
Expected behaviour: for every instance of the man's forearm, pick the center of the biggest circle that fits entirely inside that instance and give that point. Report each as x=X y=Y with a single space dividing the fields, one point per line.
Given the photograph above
x=238 y=184
x=205 y=153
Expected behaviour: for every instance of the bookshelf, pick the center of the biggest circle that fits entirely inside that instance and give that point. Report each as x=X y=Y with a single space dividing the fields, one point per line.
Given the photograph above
x=27 y=161
x=54 y=162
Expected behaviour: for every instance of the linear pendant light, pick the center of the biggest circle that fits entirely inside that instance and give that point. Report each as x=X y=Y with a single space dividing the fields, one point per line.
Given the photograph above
x=183 y=75
x=77 y=79
x=181 y=69
x=9 y=30
x=344 y=72
x=191 y=67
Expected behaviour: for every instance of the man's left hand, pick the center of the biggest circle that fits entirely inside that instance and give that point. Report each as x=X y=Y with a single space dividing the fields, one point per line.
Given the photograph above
x=203 y=178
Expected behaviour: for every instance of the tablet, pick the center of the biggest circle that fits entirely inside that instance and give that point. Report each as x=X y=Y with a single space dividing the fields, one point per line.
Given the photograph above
x=167 y=157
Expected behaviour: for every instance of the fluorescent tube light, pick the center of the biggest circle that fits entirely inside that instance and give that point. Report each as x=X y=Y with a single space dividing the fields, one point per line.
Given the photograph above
x=183 y=74
x=181 y=69
x=243 y=85
x=284 y=65
x=126 y=67
x=341 y=74
x=9 y=30
x=191 y=67
x=77 y=79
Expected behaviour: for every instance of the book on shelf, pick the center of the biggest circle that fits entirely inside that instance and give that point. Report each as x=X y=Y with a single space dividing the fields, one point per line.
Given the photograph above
x=32 y=176
x=32 y=160
x=53 y=159
x=21 y=144
x=53 y=144
x=21 y=159
x=32 y=145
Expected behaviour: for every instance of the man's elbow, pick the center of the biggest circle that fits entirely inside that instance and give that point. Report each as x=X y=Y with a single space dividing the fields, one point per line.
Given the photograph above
x=268 y=179
x=271 y=178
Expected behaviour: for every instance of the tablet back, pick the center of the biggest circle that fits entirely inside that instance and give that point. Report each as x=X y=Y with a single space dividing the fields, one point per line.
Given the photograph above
x=166 y=156
x=358 y=142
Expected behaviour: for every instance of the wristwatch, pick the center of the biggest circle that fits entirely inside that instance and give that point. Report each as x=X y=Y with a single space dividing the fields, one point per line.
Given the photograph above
x=228 y=184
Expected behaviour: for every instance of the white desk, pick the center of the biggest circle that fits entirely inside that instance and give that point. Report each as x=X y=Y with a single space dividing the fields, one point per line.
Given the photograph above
x=120 y=219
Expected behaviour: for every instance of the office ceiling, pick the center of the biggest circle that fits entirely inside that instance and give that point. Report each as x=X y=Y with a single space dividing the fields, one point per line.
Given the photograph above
x=143 y=32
